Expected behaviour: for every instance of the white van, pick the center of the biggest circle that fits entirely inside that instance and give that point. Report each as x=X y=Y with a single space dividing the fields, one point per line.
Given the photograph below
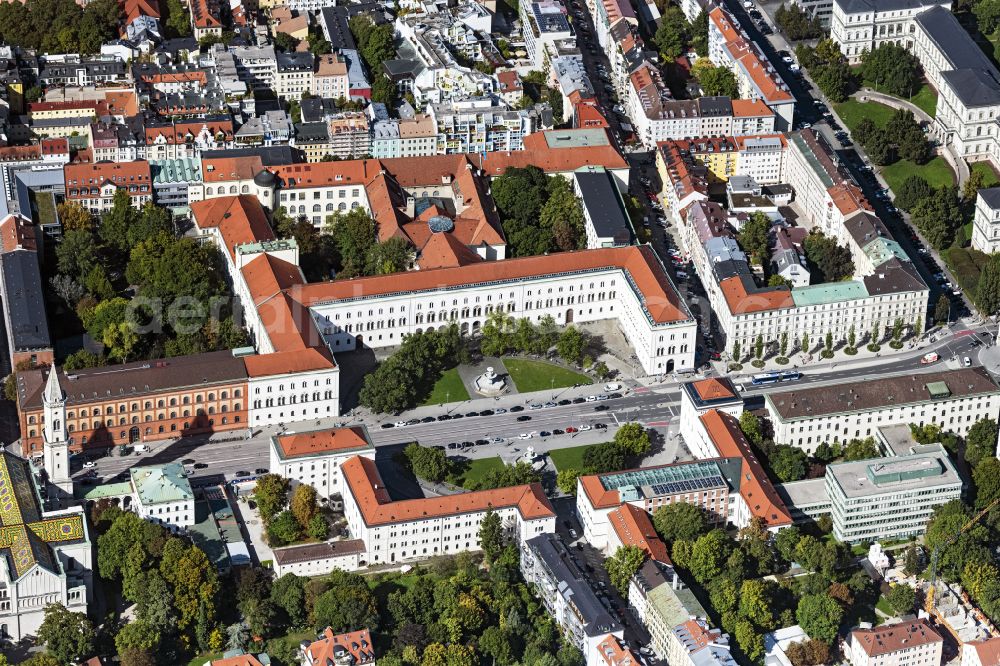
x=141 y=448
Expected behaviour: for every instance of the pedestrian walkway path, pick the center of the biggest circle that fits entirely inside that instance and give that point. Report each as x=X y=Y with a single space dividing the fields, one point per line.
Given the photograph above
x=956 y=162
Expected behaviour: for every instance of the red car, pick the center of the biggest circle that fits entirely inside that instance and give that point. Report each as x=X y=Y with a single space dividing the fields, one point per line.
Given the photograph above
x=571 y=429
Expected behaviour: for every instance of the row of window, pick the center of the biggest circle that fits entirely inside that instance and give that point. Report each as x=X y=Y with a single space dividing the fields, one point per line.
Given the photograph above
x=291 y=400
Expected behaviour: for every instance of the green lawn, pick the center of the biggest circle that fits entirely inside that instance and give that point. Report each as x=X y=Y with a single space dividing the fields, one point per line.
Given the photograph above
x=883 y=605
x=990 y=177
x=925 y=97
x=852 y=111
x=449 y=388
x=966 y=264
x=531 y=376
x=46 y=208
x=475 y=470
x=571 y=458
x=937 y=173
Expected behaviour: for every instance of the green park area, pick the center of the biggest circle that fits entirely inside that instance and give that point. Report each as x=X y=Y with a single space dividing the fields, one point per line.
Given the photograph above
x=936 y=172
x=853 y=111
x=449 y=388
x=470 y=473
x=571 y=458
x=925 y=98
x=531 y=376
x=990 y=178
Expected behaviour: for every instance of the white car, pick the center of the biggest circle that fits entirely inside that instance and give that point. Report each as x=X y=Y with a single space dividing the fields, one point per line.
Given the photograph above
x=591 y=398
x=747 y=4
x=524 y=435
x=967 y=361
x=90 y=464
x=584 y=428
x=400 y=424
x=611 y=388
x=787 y=59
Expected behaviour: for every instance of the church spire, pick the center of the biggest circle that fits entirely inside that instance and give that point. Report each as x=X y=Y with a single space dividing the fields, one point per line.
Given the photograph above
x=53 y=391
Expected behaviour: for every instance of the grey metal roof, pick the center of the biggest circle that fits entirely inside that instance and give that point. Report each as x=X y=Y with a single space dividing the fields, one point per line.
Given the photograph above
x=312 y=132
x=573 y=585
x=853 y=396
x=861 y=6
x=893 y=277
x=991 y=196
x=970 y=73
x=601 y=199
x=22 y=288
x=715 y=106
x=136 y=379
x=336 y=29
x=974 y=87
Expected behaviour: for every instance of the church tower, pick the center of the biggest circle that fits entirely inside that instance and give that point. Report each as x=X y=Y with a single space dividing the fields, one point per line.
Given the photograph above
x=55 y=445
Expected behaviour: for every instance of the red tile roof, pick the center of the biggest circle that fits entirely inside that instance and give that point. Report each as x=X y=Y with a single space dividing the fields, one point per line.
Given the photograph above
x=323 y=441
x=756 y=65
x=16 y=234
x=714 y=389
x=890 y=638
x=751 y=108
x=755 y=488
x=20 y=153
x=223 y=169
x=377 y=508
x=657 y=292
x=634 y=528
x=129 y=176
x=240 y=660
x=537 y=152
x=55 y=146
x=328 y=650
x=240 y=219
x=611 y=653
x=741 y=302
x=443 y=250
x=987 y=649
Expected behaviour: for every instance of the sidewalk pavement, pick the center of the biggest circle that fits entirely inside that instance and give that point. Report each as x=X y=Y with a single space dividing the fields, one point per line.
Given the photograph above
x=842 y=361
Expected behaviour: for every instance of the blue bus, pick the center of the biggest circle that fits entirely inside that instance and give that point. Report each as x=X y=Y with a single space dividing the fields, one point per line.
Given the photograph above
x=775 y=377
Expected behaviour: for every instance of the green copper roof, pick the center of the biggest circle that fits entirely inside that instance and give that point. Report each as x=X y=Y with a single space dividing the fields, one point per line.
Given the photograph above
x=829 y=292
x=161 y=483
x=882 y=250
x=811 y=158
x=181 y=170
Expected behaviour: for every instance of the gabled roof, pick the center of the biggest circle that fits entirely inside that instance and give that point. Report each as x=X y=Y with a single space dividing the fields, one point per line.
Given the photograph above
x=240 y=219
x=646 y=273
x=354 y=648
x=755 y=488
x=891 y=638
x=362 y=480
x=443 y=250
x=320 y=442
x=26 y=534
x=634 y=528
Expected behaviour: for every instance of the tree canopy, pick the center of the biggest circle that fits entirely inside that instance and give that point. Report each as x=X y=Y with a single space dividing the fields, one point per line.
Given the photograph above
x=830 y=261
x=892 y=68
x=539 y=213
